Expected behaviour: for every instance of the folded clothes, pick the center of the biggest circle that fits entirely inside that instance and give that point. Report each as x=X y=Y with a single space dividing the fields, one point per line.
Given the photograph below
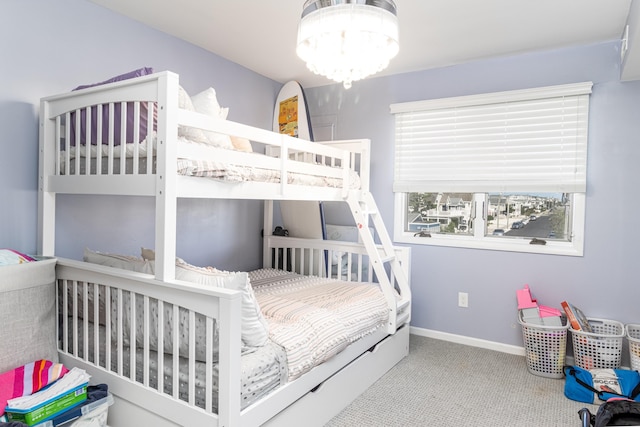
x=28 y=379
x=73 y=379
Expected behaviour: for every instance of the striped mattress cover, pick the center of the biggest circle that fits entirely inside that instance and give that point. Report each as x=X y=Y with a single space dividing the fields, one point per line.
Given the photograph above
x=193 y=166
x=239 y=173
x=263 y=369
x=314 y=318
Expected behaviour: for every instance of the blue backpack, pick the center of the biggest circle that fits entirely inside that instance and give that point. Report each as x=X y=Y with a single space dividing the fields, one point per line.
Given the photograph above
x=588 y=386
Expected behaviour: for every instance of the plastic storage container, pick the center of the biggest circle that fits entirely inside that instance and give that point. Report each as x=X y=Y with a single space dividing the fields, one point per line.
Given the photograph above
x=633 y=336
x=50 y=408
x=92 y=414
x=545 y=348
x=601 y=348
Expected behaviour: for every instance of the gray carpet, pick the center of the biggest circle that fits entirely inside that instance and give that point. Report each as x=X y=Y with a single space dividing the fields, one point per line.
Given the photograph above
x=446 y=384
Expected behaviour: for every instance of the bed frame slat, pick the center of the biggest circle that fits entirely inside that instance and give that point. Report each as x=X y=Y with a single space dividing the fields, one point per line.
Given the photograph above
x=176 y=352
x=192 y=358
x=145 y=353
x=132 y=335
x=208 y=388
x=160 y=332
x=150 y=137
x=120 y=332
x=99 y=140
x=111 y=142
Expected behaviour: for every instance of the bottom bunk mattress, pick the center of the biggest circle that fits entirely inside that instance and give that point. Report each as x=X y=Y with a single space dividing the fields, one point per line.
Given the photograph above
x=313 y=318
x=263 y=369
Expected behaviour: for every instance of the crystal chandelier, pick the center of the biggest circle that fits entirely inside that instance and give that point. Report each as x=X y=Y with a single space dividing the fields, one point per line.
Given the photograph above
x=347 y=40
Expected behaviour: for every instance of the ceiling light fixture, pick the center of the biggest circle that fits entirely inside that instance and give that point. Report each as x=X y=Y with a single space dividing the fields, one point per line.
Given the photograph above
x=347 y=40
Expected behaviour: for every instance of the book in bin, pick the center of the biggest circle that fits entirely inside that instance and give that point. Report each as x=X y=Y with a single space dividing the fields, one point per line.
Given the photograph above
x=576 y=317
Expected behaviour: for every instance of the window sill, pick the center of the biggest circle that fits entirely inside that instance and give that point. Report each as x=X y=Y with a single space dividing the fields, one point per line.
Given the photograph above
x=493 y=243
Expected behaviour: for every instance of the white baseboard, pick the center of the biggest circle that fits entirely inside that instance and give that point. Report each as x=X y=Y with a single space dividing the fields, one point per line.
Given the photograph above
x=474 y=342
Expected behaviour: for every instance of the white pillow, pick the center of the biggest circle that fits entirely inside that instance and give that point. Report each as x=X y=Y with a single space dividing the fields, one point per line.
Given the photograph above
x=124 y=262
x=193 y=134
x=132 y=263
x=206 y=103
x=254 y=326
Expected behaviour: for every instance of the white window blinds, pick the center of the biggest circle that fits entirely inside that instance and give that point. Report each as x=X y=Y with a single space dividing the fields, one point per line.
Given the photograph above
x=527 y=140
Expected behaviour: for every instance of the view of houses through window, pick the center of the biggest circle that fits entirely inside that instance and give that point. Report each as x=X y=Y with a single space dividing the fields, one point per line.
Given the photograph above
x=510 y=215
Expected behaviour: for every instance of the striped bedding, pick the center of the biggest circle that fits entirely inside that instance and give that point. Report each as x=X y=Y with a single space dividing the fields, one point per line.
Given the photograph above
x=195 y=166
x=263 y=369
x=314 y=318
x=239 y=173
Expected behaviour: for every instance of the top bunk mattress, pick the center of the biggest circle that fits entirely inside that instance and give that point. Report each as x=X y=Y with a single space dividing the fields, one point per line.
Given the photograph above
x=200 y=160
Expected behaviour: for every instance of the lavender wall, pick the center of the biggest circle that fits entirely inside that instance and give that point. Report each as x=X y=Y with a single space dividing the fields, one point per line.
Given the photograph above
x=51 y=47
x=603 y=282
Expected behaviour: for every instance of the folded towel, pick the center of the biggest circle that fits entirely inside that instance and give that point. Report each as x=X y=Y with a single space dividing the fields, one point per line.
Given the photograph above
x=72 y=380
x=28 y=379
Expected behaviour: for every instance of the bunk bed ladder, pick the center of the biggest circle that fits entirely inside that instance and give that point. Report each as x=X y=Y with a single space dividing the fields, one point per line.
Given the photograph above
x=365 y=211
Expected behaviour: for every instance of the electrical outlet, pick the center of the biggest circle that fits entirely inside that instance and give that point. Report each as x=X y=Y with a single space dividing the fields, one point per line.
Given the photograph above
x=463 y=299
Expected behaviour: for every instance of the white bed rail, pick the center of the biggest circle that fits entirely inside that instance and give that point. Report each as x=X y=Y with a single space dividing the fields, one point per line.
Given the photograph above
x=69 y=120
x=114 y=363
x=146 y=397
x=341 y=260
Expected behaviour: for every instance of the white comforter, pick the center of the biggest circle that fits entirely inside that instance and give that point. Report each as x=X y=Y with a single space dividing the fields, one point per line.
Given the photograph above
x=314 y=318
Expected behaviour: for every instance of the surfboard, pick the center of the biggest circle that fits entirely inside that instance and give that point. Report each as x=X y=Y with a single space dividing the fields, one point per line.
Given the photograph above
x=303 y=219
x=290 y=115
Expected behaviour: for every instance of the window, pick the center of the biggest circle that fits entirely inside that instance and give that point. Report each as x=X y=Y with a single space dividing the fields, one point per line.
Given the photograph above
x=497 y=171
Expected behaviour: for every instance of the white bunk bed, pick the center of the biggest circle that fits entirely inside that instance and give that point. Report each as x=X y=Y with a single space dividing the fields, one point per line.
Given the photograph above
x=124 y=325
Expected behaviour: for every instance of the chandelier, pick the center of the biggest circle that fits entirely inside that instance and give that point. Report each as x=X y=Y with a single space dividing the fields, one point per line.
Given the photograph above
x=347 y=40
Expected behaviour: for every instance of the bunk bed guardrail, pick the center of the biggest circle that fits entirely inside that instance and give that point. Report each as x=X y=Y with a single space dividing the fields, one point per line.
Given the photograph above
x=346 y=261
x=80 y=345
x=66 y=154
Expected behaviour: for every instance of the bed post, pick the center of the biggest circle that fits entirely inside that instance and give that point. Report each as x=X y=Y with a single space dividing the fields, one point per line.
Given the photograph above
x=166 y=195
x=46 y=199
x=365 y=164
x=266 y=232
x=230 y=366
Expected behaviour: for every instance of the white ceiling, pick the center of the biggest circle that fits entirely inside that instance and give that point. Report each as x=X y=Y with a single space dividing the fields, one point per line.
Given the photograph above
x=261 y=34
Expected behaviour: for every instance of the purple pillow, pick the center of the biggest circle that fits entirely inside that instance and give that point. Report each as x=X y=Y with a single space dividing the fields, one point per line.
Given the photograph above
x=117 y=114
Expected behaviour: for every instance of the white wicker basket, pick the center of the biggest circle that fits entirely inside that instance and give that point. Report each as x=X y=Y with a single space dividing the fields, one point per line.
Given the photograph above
x=545 y=348
x=601 y=348
x=633 y=336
